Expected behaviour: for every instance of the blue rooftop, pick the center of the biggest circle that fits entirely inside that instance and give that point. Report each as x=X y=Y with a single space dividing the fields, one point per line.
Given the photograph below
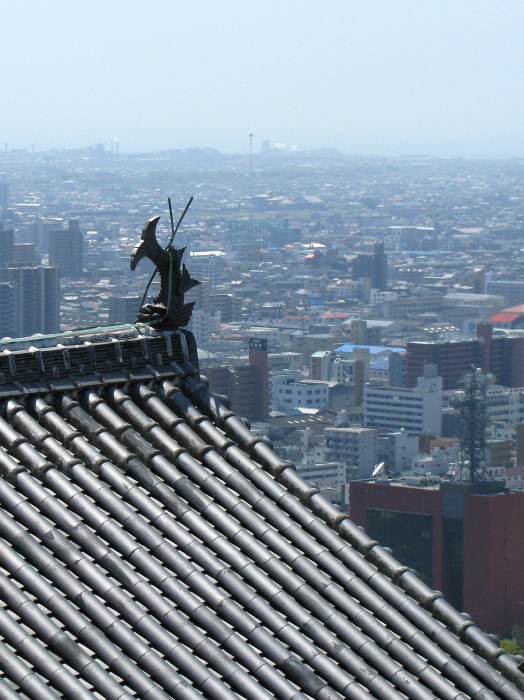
x=373 y=349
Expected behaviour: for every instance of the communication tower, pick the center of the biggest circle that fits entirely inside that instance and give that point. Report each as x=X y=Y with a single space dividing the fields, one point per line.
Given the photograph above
x=472 y=426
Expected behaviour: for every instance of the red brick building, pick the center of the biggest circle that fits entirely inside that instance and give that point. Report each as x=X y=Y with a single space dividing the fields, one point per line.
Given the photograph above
x=461 y=538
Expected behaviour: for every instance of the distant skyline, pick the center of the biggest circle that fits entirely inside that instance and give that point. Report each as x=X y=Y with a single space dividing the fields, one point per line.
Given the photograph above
x=376 y=77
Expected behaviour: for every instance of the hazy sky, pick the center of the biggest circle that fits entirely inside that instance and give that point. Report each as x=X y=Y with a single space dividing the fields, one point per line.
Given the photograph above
x=444 y=77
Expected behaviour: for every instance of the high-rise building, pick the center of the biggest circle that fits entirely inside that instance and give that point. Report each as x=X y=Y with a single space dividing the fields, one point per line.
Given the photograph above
x=358 y=332
x=38 y=298
x=229 y=305
x=7 y=242
x=8 y=310
x=25 y=253
x=258 y=358
x=247 y=386
x=207 y=265
x=65 y=249
x=374 y=266
x=202 y=325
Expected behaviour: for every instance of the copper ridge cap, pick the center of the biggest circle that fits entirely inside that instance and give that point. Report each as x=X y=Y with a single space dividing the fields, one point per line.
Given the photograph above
x=78 y=337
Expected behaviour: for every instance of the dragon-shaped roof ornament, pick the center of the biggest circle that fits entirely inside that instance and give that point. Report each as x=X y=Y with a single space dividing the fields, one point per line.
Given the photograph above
x=168 y=310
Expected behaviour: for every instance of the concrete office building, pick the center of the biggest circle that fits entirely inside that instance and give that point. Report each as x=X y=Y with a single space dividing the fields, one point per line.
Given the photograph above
x=202 y=324
x=290 y=391
x=453 y=358
x=505 y=406
x=397 y=450
x=324 y=475
x=358 y=332
x=207 y=265
x=417 y=411
x=229 y=306
x=505 y=288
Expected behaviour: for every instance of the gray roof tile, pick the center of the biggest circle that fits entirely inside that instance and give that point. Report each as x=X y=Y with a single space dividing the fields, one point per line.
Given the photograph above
x=151 y=546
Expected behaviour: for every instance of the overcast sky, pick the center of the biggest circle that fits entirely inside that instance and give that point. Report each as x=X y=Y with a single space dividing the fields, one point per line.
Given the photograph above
x=444 y=77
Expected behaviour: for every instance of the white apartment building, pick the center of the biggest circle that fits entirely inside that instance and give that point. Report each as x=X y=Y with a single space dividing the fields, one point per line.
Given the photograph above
x=288 y=391
x=376 y=297
x=202 y=324
x=325 y=365
x=397 y=450
x=438 y=461
x=324 y=475
x=354 y=447
x=418 y=411
x=505 y=405
x=506 y=288
x=207 y=265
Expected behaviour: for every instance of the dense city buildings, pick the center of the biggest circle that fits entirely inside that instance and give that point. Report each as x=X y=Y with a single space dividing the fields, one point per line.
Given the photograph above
x=501 y=355
x=343 y=299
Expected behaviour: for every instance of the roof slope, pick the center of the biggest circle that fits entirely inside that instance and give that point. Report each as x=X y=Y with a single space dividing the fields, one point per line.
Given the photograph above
x=152 y=547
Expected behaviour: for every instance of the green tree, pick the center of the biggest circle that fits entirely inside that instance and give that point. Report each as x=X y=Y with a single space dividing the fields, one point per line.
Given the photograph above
x=511 y=647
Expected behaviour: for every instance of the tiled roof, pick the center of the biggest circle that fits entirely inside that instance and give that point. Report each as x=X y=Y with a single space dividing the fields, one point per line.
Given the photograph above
x=504 y=318
x=152 y=547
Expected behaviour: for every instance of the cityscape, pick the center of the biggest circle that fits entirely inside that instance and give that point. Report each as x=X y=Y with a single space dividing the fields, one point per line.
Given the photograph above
x=343 y=299
x=262 y=350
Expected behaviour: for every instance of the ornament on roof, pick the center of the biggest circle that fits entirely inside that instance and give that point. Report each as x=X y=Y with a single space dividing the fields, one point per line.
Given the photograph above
x=167 y=310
